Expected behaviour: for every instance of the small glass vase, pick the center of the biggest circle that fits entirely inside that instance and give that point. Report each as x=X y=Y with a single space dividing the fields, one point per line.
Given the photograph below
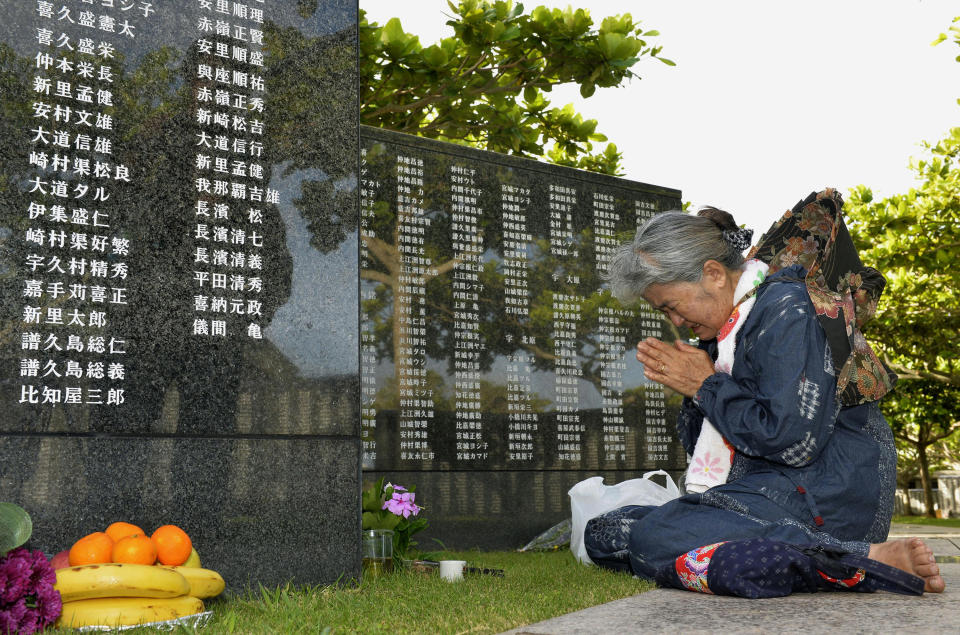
x=377 y=545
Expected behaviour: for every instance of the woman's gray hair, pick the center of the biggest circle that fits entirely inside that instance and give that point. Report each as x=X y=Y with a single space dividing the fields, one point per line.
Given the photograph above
x=670 y=247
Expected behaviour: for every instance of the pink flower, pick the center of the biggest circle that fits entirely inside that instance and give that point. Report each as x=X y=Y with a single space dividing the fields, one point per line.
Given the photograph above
x=402 y=504
x=708 y=465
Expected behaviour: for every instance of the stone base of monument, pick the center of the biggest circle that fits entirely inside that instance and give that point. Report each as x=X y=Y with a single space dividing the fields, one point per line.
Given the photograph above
x=259 y=511
x=492 y=510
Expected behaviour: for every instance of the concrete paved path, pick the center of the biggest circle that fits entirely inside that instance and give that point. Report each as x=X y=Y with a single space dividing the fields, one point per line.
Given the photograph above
x=945 y=541
x=673 y=611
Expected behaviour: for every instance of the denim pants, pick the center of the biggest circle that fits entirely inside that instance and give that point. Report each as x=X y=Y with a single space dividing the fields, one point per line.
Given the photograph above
x=643 y=539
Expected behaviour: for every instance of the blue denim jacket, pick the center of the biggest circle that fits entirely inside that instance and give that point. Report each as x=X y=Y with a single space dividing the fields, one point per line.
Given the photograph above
x=830 y=467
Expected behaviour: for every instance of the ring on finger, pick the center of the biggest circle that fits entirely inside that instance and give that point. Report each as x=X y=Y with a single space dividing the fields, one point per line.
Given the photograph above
x=663 y=368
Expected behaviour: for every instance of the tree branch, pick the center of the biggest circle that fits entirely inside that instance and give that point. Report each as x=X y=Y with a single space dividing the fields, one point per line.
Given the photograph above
x=906 y=372
x=953 y=428
x=414 y=105
x=370 y=274
x=442 y=269
x=906 y=437
x=473 y=68
x=385 y=253
x=538 y=352
x=437 y=98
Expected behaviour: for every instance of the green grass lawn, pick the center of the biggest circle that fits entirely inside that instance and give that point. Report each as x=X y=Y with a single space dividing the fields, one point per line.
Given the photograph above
x=925 y=520
x=535 y=587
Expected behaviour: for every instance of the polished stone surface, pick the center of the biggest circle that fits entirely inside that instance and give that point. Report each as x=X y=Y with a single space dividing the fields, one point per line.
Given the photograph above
x=179 y=256
x=287 y=254
x=259 y=510
x=496 y=369
x=490 y=340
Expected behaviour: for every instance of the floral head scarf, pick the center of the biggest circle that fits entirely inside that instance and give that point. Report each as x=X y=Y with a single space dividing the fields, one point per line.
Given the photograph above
x=844 y=291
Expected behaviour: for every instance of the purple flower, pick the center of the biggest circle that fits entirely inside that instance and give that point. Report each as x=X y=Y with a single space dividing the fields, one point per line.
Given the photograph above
x=396 y=488
x=49 y=603
x=28 y=601
x=402 y=504
x=14 y=576
x=10 y=619
x=30 y=619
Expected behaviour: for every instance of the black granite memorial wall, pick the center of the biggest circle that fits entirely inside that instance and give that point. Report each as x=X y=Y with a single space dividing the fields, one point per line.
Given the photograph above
x=496 y=368
x=178 y=247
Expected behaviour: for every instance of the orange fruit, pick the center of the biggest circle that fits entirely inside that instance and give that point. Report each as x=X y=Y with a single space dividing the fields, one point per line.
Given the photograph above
x=120 y=529
x=136 y=549
x=93 y=548
x=173 y=545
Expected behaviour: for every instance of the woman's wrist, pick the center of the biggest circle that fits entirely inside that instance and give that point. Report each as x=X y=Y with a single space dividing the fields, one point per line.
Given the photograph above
x=701 y=395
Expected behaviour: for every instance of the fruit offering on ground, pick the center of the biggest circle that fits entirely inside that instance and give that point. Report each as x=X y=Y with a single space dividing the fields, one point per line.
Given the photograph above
x=136 y=549
x=120 y=529
x=60 y=560
x=204 y=583
x=126 y=611
x=173 y=545
x=119 y=580
x=193 y=560
x=93 y=548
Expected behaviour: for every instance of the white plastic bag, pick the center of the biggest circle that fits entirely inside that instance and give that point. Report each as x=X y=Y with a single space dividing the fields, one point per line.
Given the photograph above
x=591 y=498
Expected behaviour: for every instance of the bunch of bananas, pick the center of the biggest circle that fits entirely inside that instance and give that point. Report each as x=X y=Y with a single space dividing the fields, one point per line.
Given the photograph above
x=126 y=594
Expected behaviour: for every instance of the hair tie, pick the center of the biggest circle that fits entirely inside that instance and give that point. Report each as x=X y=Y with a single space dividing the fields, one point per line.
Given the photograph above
x=739 y=238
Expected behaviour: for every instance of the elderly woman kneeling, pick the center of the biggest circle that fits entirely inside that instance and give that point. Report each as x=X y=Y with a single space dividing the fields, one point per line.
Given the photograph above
x=790 y=478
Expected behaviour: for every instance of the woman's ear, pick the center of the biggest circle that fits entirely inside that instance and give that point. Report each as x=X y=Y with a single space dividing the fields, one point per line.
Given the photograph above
x=714 y=274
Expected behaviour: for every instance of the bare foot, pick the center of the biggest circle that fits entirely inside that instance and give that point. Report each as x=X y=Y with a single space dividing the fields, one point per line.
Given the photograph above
x=913 y=556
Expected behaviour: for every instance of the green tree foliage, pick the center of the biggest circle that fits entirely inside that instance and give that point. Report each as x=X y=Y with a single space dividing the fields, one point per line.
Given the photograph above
x=486 y=85
x=954 y=31
x=914 y=239
x=923 y=415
